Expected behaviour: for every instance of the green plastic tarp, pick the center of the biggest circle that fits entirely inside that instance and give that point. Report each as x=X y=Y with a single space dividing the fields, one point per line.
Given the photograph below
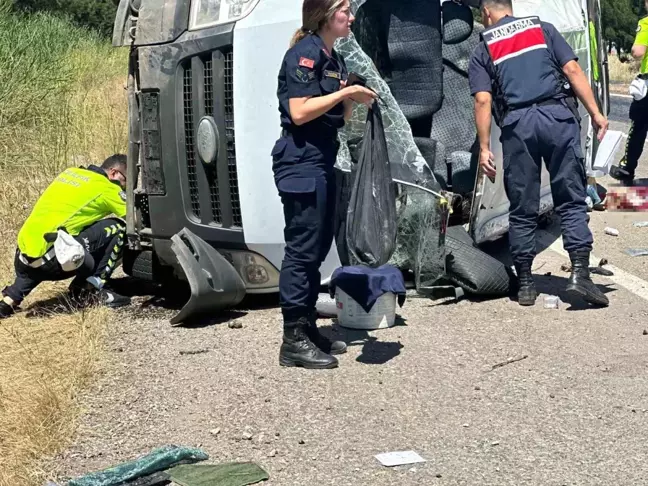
x=158 y=460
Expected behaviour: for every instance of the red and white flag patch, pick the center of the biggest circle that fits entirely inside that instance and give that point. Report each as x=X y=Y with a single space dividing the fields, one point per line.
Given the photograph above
x=305 y=62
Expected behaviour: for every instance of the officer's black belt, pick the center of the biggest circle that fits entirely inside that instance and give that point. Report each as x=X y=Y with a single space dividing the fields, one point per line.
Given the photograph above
x=309 y=136
x=549 y=102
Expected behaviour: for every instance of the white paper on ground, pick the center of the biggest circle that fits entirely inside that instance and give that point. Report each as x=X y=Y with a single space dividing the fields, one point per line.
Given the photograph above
x=399 y=458
x=607 y=151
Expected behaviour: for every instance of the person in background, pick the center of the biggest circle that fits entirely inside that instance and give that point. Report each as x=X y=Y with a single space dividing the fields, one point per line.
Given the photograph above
x=314 y=103
x=78 y=200
x=625 y=171
x=522 y=70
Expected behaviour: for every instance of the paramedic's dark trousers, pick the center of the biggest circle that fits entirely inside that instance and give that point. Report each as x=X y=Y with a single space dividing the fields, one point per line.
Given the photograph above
x=103 y=241
x=553 y=134
x=637 y=136
x=309 y=211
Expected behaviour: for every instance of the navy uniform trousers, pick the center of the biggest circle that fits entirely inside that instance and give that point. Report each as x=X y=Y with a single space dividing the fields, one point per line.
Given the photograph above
x=305 y=178
x=637 y=136
x=104 y=244
x=551 y=133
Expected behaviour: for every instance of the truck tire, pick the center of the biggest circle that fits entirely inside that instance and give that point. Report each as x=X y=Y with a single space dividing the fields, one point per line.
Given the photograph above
x=473 y=270
x=139 y=264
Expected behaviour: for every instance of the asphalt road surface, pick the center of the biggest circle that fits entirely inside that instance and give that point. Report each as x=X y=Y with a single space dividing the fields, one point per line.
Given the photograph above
x=489 y=393
x=619 y=108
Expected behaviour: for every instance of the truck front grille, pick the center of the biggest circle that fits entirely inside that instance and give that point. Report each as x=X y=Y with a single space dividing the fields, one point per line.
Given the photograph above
x=189 y=144
x=214 y=192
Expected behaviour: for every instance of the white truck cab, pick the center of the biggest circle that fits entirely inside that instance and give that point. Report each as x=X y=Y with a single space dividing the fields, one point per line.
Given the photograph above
x=204 y=116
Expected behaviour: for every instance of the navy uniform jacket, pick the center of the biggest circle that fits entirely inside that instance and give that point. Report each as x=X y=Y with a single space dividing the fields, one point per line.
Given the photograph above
x=481 y=74
x=309 y=70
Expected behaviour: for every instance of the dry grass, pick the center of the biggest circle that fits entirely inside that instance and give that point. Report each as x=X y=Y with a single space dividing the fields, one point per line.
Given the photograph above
x=623 y=72
x=58 y=109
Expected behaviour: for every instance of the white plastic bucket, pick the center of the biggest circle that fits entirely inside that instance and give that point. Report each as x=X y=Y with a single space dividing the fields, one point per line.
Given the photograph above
x=351 y=315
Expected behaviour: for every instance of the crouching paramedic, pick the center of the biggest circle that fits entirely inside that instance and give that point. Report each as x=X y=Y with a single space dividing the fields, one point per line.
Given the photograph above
x=530 y=72
x=77 y=202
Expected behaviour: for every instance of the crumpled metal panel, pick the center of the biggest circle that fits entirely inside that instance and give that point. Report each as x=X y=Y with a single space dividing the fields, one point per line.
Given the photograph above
x=161 y=21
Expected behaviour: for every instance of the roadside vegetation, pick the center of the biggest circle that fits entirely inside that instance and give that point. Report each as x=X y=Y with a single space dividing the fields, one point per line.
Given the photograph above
x=623 y=71
x=62 y=102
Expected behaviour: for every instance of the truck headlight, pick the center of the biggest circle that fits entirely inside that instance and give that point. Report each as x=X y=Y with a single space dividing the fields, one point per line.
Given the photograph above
x=207 y=13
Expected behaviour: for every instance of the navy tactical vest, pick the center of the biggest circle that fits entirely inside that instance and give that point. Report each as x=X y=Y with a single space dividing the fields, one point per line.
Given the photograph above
x=525 y=69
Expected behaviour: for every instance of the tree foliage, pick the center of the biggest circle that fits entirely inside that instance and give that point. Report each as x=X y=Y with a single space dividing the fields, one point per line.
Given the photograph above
x=620 y=21
x=98 y=15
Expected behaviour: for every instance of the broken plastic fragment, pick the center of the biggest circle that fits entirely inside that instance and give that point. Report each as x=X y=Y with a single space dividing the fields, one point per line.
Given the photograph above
x=551 y=302
x=637 y=252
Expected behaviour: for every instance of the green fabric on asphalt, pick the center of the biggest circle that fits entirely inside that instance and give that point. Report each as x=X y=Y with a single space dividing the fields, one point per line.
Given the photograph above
x=158 y=460
x=231 y=474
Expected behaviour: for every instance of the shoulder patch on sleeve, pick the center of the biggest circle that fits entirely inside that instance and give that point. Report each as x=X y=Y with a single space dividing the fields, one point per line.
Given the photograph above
x=305 y=62
x=122 y=194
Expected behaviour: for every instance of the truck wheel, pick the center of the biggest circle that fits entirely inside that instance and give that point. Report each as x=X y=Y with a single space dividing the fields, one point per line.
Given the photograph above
x=139 y=264
x=473 y=270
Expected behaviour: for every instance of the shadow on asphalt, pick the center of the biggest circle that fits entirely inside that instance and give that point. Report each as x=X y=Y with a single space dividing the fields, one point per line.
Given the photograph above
x=374 y=351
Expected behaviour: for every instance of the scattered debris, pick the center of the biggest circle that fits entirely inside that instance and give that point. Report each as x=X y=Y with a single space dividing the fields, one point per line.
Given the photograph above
x=191 y=352
x=214 y=432
x=466 y=425
x=641 y=224
x=509 y=361
x=602 y=271
x=611 y=231
x=247 y=435
x=272 y=453
x=645 y=332
x=158 y=460
x=566 y=267
x=637 y=252
x=399 y=458
x=301 y=442
x=495 y=443
x=236 y=324
x=231 y=474
x=535 y=270
x=551 y=302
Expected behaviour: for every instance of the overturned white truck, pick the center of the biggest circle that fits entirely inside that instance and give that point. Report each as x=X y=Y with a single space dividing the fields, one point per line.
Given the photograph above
x=203 y=118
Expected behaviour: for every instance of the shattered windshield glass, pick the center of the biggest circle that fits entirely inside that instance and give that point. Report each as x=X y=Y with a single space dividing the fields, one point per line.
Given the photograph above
x=406 y=159
x=391 y=33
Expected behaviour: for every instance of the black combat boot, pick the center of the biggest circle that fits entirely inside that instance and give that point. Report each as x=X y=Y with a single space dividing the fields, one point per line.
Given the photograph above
x=527 y=293
x=6 y=310
x=322 y=342
x=580 y=282
x=298 y=350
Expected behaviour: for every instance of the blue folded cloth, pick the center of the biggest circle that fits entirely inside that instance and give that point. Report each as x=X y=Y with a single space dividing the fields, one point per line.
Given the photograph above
x=366 y=285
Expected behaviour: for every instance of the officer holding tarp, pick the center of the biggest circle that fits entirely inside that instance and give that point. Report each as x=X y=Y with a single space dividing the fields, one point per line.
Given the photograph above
x=527 y=76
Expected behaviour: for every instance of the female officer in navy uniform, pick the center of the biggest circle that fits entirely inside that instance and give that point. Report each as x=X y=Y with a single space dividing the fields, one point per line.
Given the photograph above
x=314 y=103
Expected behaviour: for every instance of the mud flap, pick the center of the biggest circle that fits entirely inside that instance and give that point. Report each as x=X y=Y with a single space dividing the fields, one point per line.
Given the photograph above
x=215 y=284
